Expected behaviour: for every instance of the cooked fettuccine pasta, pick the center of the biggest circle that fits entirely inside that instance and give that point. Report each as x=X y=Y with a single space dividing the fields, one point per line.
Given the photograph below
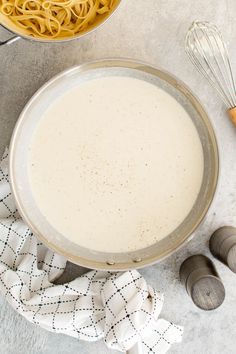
x=55 y=19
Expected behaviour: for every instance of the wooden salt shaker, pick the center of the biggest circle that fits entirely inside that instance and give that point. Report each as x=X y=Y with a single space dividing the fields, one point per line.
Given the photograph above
x=223 y=246
x=202 y=282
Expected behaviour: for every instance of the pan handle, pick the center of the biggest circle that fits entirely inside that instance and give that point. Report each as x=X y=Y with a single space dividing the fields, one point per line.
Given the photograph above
x=10 y=40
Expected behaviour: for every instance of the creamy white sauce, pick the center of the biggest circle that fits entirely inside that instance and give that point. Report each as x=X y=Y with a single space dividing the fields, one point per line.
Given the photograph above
x=116 y=164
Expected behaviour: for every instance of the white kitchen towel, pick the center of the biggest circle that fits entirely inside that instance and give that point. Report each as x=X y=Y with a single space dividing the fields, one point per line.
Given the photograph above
x=118 y=307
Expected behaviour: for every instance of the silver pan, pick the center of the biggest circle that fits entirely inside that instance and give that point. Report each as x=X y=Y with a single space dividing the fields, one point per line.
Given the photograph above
x=18 y=34
x=19 y=157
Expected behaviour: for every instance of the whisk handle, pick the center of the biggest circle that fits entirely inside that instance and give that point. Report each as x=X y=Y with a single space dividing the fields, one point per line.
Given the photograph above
x=232 y=114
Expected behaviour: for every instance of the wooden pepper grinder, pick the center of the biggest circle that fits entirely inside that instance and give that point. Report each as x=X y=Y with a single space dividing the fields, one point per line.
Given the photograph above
x=198 y=274
x=223 y=246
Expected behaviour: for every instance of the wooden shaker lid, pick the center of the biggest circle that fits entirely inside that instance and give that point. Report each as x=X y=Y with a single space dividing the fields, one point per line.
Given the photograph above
x=223 y=246
x=202 y=282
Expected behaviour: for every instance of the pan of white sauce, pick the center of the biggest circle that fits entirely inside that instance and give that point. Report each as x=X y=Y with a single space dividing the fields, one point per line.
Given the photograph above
x=113 y=164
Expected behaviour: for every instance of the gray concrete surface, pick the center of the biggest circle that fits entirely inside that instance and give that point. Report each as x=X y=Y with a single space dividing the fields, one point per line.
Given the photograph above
x=150 y=30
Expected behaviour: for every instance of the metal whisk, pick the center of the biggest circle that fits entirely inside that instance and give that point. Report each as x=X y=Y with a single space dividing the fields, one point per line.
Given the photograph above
x=207 y=51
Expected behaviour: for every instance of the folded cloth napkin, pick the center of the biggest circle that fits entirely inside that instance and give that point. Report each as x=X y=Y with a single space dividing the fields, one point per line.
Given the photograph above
x=118 y=307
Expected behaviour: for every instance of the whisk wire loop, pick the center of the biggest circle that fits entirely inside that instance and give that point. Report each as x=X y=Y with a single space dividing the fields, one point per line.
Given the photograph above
x=207 y=51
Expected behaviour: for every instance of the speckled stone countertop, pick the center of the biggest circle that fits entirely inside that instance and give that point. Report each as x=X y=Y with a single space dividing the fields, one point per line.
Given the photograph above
x=153 y=31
